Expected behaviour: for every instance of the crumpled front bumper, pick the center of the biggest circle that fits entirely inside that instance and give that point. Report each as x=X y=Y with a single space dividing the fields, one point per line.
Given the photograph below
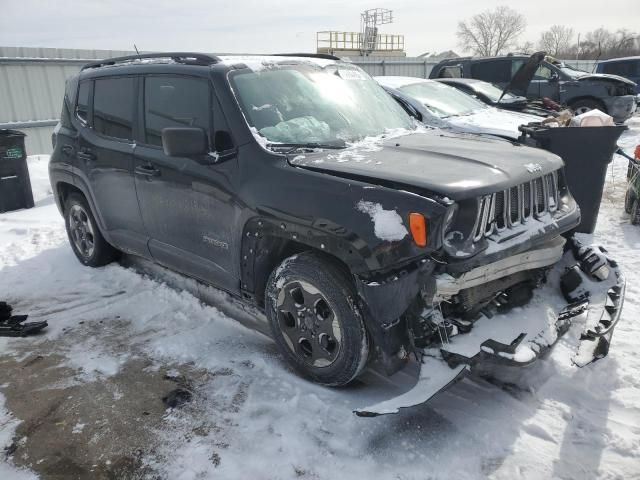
x=621 y=108
x=521 y=336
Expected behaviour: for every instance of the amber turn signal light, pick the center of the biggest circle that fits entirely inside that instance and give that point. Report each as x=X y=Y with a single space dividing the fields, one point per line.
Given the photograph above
x=418 y=226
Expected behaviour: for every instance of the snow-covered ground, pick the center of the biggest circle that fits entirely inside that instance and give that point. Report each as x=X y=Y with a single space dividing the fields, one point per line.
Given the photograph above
x=257 y=419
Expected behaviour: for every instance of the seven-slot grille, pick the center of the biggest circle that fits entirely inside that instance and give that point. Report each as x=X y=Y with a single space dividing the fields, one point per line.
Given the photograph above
x=516 y=205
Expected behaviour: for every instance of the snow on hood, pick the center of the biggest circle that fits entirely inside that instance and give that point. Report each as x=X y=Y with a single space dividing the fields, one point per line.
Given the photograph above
x=606 y=76
x=492 y=121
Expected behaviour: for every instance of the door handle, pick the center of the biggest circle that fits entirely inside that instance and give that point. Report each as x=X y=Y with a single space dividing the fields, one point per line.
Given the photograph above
x=147 y=171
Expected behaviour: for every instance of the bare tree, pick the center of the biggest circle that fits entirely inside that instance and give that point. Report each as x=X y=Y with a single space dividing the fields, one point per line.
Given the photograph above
x=526 y=48
x=492 y=31
x=602 y=43
x=556 y=40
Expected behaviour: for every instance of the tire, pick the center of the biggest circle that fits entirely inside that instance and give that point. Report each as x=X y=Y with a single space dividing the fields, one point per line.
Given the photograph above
x=629 y=200
x=584 y=105
x=635 y=212
x=310 y=304
x=85 y=237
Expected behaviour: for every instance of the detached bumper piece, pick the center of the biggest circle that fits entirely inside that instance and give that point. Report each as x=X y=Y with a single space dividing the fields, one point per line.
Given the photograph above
x=14 y=325
x=592 y=285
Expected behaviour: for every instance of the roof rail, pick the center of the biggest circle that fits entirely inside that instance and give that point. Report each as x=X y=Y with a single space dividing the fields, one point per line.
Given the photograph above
x=326 y=56
x=189 y=58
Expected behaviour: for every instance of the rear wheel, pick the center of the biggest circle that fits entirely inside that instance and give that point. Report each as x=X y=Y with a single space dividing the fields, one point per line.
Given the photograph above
x=315 y=322
x=583 y=106
x=87 y=242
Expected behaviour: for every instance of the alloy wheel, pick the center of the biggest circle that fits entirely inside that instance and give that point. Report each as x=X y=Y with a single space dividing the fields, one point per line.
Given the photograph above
x=81 y=231
x=308 y=323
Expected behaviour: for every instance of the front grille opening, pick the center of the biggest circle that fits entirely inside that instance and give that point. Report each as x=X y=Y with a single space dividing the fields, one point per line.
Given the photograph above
x=512 y=207
x=526 y=192
x=499 y=216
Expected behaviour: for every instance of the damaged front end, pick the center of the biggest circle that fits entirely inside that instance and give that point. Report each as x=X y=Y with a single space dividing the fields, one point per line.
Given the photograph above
x=509 y=312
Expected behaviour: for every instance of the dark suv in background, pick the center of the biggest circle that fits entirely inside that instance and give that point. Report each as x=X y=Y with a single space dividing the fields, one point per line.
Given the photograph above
x=297 y=184
x=627 y=67
x=547 y=77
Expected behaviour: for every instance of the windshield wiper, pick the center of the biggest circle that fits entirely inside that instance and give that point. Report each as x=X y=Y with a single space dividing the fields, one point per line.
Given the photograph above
x=292 y=147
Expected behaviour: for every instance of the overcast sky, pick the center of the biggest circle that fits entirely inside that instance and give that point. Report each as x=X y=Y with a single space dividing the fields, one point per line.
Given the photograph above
x=275 y=25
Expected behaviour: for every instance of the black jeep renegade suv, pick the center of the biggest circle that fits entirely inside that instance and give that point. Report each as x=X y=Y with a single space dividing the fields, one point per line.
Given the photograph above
x=298 y=184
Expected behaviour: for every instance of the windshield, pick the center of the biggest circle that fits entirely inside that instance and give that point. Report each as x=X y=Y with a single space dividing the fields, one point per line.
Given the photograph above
x=305 y=103
x=492 y=92
x=443 y=100
x=568 y=70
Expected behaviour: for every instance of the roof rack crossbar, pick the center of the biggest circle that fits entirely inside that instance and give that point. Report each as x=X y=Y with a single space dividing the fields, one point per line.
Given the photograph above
x=326 y=56
x=180 y=57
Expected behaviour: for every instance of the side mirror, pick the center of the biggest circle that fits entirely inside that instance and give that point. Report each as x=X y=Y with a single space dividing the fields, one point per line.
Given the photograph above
x=184 y=142
x=554 y=77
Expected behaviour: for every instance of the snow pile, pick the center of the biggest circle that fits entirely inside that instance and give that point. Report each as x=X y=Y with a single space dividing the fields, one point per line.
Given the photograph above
x=387 y=224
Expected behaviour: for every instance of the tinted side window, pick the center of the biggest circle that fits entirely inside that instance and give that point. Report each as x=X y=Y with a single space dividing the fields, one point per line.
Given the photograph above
x=113 y=106
x=452 y=71
x=543 y=73
x=515 y=66
x=82 y=106
x=498 y=71
x=174 y=102
x=624 y=69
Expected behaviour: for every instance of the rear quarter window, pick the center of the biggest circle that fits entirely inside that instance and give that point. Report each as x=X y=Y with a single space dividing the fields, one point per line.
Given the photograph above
x=82 y=105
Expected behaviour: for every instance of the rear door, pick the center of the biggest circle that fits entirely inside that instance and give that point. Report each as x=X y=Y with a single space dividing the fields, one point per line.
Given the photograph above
x=187 y=203
x=496 y=71
x=105 y=155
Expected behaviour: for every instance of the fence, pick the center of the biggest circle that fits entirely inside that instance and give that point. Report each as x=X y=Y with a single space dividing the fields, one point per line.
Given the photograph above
x=32 y=84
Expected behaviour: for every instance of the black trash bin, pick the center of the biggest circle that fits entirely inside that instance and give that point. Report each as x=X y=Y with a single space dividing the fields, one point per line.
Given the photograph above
x=586 y=151
x=15 y=185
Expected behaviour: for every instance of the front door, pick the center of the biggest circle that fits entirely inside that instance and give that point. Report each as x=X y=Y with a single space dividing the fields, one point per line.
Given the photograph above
x=105 y=155
x=187 y=203
x=545 y=83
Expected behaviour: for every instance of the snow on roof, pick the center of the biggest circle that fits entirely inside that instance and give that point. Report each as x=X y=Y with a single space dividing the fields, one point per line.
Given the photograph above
x=260 y=62
x=398 y=82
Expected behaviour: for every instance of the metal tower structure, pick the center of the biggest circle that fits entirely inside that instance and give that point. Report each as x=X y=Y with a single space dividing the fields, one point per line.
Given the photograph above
x=369 y=21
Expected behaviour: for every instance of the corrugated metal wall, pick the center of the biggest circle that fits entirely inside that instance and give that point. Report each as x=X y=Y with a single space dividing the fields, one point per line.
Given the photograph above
x=401 y=66
x=32 y=84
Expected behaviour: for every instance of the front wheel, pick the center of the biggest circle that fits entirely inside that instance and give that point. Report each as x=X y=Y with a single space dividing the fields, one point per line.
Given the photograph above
x=315 y=322
x=87 y=242
x=583 y=106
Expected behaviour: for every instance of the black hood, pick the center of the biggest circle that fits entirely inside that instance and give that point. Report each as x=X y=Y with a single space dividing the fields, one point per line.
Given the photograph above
x=606 y=77
x=456 y=166
x=520 y=81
